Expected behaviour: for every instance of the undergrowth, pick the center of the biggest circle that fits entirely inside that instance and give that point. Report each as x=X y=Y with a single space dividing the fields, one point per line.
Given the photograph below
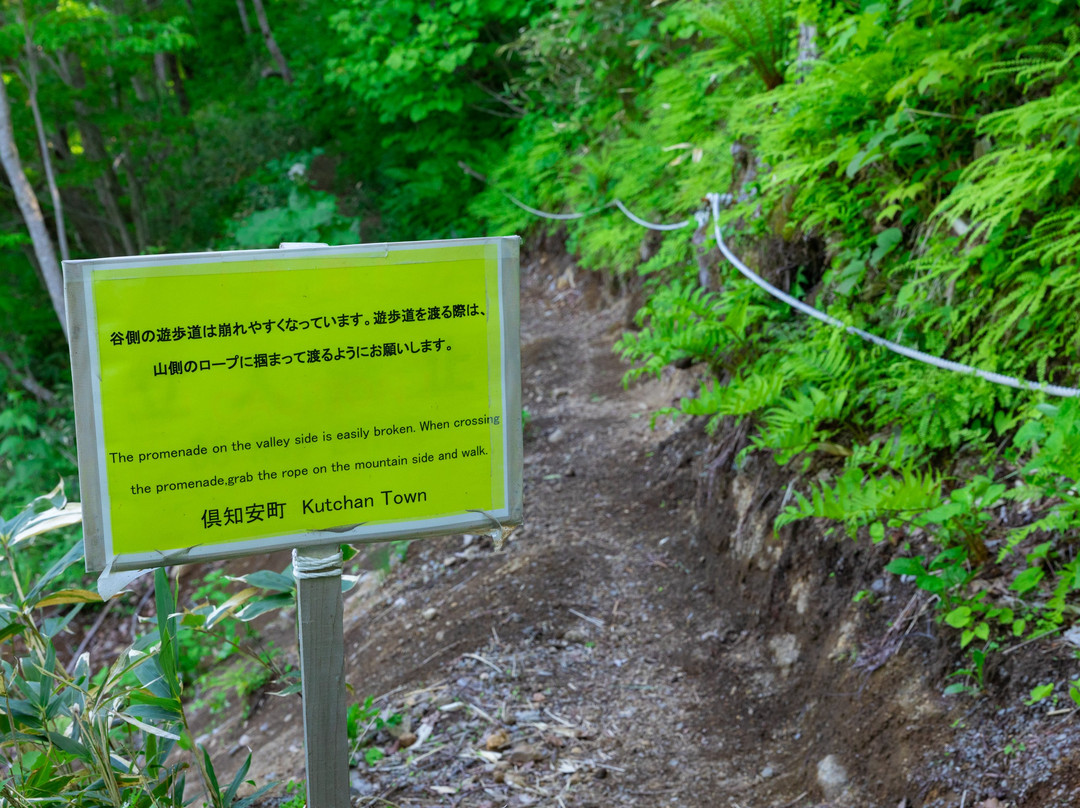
x=913 y=172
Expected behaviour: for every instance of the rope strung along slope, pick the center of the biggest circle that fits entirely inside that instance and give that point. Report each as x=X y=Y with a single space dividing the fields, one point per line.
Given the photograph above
x=617 y=203
x=795 y=303
x=911 y=353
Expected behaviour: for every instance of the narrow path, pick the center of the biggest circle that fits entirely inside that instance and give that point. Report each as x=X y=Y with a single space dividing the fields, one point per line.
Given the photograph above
x=577 y=667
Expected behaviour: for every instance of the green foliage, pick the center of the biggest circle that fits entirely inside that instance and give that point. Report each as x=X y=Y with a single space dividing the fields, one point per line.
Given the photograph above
x=918 y=179
x=282 y=205
x=363 y=723
x=758 y=29
x=297 y=792
x=432 y=81
x=89 y=738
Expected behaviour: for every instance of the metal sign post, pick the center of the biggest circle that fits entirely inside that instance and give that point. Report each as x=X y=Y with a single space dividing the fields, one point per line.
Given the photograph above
x=319 y=609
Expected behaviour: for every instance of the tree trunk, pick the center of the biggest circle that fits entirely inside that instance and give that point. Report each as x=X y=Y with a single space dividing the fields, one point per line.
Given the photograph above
x=808 y=51
x=50 y=177
x=43 y=141
x=31 y=211
x=106 y=184
x=271 y=43
x=138 y=203
x=172 y=63
x=243 y=17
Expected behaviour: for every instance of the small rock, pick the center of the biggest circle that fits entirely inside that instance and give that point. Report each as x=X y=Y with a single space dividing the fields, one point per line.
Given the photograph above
x=244 y=740
x=360 y=786
x=767 y=772
x=832 y=777
x=429 y=613
x=555 y=740
x=538 y=698
x=450 y=561
x=526 y=753
x=467 y=539
x=497 y=740
x=785 y=650
x=406 y=739
x=576 y=635
x=556 y=436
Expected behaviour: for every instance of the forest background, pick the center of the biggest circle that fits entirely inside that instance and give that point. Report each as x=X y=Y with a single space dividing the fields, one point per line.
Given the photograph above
x=909 y=167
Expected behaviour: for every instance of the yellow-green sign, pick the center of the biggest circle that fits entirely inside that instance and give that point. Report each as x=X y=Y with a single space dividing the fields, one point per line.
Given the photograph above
x=234 y=403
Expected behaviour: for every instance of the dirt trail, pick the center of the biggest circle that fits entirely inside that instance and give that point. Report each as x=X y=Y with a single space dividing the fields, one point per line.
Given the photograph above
x=570 y=668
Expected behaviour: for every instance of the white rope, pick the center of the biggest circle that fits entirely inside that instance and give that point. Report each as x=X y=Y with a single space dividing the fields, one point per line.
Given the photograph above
x=701 y=218
x=306 y=567
x=545 y=214
x=651 y=225
x=911 y=353
x=562 y=217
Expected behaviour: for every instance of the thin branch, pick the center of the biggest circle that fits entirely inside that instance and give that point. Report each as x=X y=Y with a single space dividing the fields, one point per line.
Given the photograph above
x=27 y=380
x=496 y=113
x=502 y=99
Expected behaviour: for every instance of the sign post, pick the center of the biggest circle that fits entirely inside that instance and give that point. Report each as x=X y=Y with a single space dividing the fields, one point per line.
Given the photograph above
x=319 y=608
x=231 y=404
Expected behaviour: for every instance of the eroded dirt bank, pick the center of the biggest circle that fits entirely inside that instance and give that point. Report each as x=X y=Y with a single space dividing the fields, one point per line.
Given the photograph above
x=645 y=640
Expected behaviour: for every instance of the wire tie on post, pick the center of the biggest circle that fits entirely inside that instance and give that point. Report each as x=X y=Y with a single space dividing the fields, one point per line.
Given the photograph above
x=307 y=567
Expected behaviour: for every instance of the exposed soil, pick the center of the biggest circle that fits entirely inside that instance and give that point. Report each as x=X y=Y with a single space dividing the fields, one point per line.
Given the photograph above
x=646 y=640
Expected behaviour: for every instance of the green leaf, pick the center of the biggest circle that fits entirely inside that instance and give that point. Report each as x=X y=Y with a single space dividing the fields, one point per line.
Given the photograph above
x=886 y=241
x=69 y=596
x=230 y=794
x=907 y=141
x=282 y=600
x=265 y=579
x=169 y=653
x=959 y=617
x=1039 y=693
x=906 y=566
x=1027 y=580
